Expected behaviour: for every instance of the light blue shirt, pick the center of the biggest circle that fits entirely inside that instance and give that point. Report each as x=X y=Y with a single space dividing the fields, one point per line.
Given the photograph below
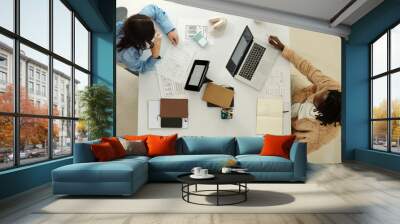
x=130 y=57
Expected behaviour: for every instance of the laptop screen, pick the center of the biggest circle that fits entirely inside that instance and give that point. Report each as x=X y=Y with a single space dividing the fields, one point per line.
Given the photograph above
x=240 y=51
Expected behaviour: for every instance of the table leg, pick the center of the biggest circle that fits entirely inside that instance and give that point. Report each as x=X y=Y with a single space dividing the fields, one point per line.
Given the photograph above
x=217 y=194
x=195 y=188
x=245 y=193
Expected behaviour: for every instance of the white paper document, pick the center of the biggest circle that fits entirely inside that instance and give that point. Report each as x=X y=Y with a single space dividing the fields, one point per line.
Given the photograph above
x=170 y=88
x=269 y=116
x=154 y=114
x=176 y=62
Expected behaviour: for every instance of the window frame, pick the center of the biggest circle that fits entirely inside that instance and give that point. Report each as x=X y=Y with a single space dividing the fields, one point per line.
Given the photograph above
x=16 y=114
x=388 y=74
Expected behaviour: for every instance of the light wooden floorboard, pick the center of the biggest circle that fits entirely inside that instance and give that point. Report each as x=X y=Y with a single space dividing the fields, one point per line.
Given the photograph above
x=378 y=189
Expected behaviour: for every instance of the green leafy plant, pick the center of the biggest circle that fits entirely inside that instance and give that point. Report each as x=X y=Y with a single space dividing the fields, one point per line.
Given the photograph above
x=96 y=102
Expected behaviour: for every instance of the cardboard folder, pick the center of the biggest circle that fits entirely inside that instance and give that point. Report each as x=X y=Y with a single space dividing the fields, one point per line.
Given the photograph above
x=174 y=108
x=218 y=95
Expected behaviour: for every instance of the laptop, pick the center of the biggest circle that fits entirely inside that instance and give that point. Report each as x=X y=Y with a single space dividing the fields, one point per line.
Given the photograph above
x=252 y=60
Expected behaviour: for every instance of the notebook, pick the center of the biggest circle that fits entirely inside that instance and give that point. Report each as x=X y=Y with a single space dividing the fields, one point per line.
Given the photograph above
x=269 y=116
x=218 y=95
x=174 y=108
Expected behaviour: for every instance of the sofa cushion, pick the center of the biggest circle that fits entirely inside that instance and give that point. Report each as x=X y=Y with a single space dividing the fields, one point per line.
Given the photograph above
x=103 y=152
x=185 y=163
x=249 y=145
x=112 y=171
x=83 y=152
x=277 y=145
x=161 y=145
x=194 y=145
x=257 y=163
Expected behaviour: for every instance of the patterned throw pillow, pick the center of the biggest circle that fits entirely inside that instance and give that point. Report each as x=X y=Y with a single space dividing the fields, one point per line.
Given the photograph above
x=134 y=147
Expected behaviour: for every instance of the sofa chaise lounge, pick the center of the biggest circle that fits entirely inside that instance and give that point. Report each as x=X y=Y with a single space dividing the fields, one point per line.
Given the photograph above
x=125 y=176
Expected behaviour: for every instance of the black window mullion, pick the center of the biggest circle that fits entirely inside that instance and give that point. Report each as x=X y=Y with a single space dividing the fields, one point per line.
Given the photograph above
x=50 y=77
x=16 y=69
x=389 y=100
x=73 y=82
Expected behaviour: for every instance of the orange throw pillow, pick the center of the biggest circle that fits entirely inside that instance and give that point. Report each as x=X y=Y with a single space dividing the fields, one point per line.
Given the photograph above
x=103 y=152
x=136 y=137
x=275 y=145
x=116 y=145
x=161 y=145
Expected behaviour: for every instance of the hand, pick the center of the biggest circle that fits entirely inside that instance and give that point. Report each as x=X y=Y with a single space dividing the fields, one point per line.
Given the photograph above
x=155 y=50
x=173 y=37
x=276 y=43
x=307 y=131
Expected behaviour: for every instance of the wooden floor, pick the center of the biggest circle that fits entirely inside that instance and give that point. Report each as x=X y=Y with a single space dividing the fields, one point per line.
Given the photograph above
x=353 y=182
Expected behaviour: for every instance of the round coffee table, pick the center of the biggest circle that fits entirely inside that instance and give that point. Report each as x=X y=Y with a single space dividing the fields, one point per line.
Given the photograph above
x=238 y=179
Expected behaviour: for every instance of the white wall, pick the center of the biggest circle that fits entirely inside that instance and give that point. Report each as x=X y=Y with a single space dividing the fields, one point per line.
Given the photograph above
x=127 y=102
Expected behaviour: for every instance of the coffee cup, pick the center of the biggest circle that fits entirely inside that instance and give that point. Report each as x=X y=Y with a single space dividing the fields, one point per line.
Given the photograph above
x=203 y=172
x=196 y=171
x=226 y=170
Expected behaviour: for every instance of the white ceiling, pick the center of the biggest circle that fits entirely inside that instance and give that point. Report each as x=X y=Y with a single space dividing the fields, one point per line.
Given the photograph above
x=315 y=15
x=319 y=9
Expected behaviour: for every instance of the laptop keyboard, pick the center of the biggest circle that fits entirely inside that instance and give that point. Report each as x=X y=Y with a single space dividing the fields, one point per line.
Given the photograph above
x=252 y=60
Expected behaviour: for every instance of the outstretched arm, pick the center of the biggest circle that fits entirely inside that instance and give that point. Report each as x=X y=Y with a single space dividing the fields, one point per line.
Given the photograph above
x=313 y=74
x=159 y=16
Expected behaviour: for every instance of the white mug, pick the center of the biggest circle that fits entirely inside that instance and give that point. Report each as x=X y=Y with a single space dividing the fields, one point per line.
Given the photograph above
x=226 y=170
x=203 y=172
x=196 y=171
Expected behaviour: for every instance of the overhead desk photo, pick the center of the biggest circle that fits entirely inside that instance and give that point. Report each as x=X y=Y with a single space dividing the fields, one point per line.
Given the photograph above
x=197 y=72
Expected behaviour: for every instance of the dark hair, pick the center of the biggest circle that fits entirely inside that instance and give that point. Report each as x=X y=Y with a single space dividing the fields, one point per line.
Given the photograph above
x=137 y=31
x=329 y=111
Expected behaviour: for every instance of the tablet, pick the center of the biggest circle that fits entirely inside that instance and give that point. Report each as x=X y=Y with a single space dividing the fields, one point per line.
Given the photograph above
x=197 y=75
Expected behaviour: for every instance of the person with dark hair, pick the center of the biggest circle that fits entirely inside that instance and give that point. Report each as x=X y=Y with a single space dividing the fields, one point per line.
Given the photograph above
x=137 y=34
x=316 y=109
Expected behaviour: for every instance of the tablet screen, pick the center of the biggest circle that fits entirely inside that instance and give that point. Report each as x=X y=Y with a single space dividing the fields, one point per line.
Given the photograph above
x=196 y=75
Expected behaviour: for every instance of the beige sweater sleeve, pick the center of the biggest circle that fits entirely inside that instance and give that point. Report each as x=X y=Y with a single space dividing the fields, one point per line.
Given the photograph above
x=307 y=69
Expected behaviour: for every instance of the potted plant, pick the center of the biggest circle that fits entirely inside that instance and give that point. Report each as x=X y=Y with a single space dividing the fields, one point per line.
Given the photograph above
x=96 y=102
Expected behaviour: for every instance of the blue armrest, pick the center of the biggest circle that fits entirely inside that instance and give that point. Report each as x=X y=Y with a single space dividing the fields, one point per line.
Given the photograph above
x=83 y=152
x=298 y=155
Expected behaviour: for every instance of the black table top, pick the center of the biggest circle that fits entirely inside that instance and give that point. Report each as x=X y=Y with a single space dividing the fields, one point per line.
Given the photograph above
x=220 y=178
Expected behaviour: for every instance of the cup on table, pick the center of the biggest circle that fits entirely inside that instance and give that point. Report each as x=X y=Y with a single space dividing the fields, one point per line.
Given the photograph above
x=203 y=172
x=226 y=170
x=196 y=171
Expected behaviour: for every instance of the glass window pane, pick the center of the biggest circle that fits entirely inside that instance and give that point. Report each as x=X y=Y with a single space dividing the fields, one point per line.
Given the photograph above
x=395 y=94
x=6 y=74
x=62 y=29
x=62 y=89
x=35 y=21
x=81 y=45
x=81 y=81
x=7 y=14
x=395 y=138
x=33 y=139
x=6 y=142
x=379 y=56
x=62 y=138
x=379 y=97
x=395 y=47
x=34 y=97
x=379 y=135
x=81 y=131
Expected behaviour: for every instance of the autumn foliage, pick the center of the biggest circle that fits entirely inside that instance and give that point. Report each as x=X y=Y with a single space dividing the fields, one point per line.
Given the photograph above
x=33 y=131
x=380 y=127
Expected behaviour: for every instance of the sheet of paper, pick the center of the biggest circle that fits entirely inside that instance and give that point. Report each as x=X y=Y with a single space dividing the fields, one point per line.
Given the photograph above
x=189 y=27
x=176 y=62
x=170 y=88
x=269 y=116
x=154 y=114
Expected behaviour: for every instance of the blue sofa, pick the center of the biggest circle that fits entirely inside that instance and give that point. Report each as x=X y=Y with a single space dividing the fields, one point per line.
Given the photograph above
x=125 y=176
